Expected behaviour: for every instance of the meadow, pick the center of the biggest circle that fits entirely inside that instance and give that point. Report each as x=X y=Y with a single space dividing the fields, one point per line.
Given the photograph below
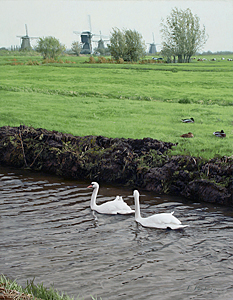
x=123 y=100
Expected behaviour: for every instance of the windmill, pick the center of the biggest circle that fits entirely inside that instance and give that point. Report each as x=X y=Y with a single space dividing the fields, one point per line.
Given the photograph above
x=25 y=40
x=100 y=42
x=152 y=49
x=86 y=39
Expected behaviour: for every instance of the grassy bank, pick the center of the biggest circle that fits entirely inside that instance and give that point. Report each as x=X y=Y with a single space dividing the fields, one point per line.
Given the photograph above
x=12 y=290
x=131 y=101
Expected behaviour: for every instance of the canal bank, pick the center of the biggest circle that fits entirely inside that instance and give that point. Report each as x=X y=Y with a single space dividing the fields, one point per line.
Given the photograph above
x=138 y=163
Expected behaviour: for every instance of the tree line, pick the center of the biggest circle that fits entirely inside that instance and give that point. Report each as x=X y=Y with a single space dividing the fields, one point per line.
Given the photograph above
x=181 y=32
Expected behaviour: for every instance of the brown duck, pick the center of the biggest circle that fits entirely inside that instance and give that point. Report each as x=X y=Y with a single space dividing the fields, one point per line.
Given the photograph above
x=187 y=135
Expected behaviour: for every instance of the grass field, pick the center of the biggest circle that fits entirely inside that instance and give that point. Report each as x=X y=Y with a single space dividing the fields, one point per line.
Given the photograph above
x=123 y=100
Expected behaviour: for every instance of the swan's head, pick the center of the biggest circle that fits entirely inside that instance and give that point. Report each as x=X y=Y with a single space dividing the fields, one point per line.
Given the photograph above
x=135 y=193
x=94 y=185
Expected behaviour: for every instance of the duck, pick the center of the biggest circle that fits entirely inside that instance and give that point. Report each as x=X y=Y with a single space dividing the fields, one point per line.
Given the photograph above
x=187 y=135
x=161 y=221
x=220 y=133
x=116 y=206
x=191 y=120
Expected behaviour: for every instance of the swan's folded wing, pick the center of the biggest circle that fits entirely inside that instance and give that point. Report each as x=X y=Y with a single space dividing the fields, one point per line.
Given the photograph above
x=121 y=206
x=166 y=218
x=107 y=208
x=114 y=207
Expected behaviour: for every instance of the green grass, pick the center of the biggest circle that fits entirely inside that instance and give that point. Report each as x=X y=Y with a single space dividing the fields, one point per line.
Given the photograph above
x=199 y=82
x=38 y=291
x=131 y=101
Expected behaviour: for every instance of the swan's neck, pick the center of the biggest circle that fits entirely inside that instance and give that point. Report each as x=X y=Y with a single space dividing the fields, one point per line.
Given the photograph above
x=93 y=198
x=137 y=208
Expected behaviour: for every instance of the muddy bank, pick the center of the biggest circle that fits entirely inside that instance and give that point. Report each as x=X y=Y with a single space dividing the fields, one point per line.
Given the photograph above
x=138 y=163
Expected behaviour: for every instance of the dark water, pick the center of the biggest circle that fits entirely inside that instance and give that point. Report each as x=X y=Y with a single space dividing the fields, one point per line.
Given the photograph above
x=48 y=232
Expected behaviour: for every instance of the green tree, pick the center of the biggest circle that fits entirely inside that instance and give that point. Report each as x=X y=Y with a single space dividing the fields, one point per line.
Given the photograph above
x=49 y=47
x=76 y=48
x=182 y=35
x=126 y=44
x=117 y=44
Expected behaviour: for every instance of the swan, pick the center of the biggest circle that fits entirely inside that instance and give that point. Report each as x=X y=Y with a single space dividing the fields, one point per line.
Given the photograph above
x=117 y=206
x=163 y=220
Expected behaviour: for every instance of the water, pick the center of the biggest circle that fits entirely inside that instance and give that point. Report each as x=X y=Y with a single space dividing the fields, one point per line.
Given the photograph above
x=48 y=232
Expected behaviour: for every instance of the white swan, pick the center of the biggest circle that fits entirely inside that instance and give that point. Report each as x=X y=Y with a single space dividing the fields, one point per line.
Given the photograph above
x=163 y=220
x=117 y=206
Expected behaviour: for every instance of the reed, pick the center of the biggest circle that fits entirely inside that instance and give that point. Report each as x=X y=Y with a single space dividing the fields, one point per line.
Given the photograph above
x=32 y=291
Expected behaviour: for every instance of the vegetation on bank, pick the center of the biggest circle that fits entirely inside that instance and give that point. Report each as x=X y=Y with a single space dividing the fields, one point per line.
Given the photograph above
x=123 y=100
x=12 y=290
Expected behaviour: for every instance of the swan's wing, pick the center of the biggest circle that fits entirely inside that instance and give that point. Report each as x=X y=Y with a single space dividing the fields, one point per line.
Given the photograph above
x=121 y=206
x=165 y=218
x=126 y=211
x=116 y=206
x=107 y=208
x=163 y=221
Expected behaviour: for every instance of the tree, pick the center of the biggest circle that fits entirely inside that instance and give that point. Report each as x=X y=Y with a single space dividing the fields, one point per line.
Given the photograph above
x=126 y=44
x=117 y=44
x=182 y=35
x=76 y=48
x=49 y=47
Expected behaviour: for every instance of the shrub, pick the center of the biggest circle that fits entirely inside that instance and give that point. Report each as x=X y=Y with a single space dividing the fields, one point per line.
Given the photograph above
x=185 y=101
x=31 y=63
x=92 y=60
x=120 y=60
x=102 y=60
x=49 y=47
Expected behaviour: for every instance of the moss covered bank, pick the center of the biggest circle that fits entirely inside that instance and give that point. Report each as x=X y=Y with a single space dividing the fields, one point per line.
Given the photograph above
x=138 y=163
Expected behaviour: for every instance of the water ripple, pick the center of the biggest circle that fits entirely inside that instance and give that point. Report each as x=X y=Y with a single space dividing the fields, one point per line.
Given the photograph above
x=48 y=231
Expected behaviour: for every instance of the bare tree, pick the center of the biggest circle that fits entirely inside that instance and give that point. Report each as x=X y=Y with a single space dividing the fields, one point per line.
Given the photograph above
x=182 y=35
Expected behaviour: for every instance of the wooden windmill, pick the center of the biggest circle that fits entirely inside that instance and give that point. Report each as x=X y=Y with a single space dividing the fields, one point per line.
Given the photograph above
x=86 y=39
x=25 y=40
x=152 y=49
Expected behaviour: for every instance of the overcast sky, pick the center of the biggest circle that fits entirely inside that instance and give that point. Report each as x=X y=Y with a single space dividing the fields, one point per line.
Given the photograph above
x=60 y=18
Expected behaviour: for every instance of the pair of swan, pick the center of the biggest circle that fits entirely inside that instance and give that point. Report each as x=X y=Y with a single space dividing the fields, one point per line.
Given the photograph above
x=118 y=206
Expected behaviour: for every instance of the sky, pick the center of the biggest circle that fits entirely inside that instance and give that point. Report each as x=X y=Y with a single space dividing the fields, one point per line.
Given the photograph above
x=60 y=19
